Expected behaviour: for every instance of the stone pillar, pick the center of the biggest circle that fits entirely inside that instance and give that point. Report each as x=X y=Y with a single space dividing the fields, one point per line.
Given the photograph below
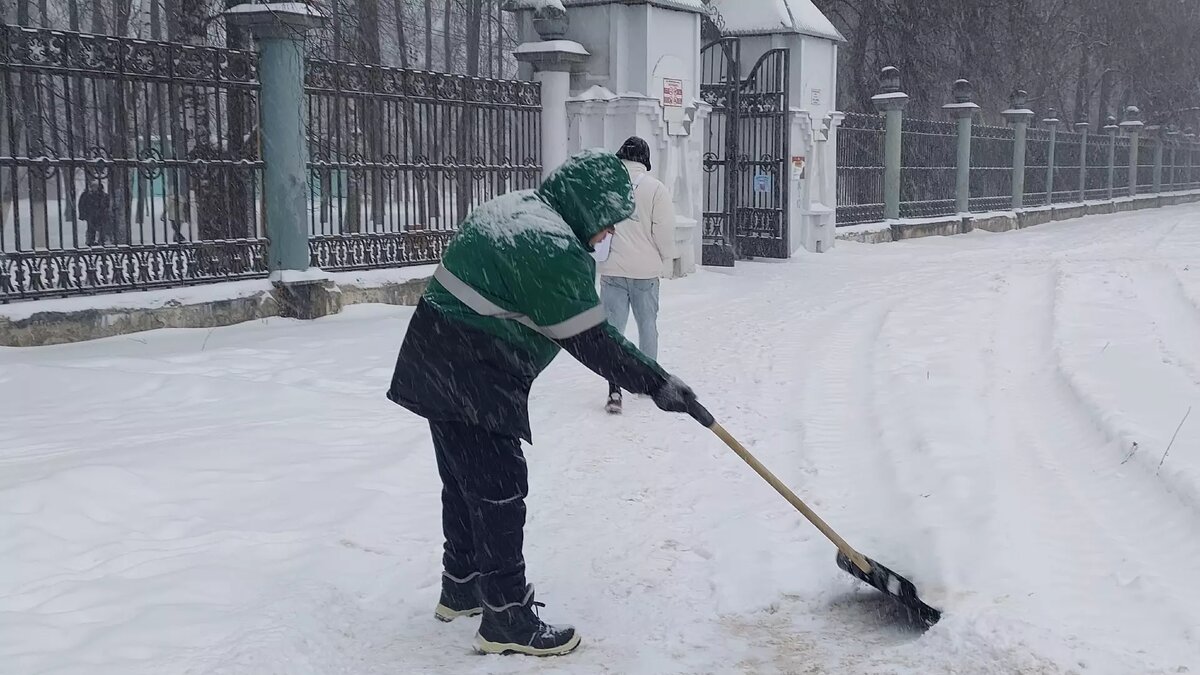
x=1112 y=129
x=279 y=31
x=891 y=102
x=1082 y=127
x=1051 y=122
x=1133 y=127
x=821 y=190
x=964 y=109
x=1018 y=116
x=553 y=59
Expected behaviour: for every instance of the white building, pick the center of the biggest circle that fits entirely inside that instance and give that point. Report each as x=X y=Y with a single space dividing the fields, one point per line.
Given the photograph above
x=616 y=68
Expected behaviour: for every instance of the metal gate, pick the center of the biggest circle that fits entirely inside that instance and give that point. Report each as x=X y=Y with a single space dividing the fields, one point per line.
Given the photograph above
x=761 y=215
x=719 y=88
x=746 y=155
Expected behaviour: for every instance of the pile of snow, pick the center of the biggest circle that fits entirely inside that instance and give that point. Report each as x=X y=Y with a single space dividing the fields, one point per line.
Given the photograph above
x=536 y=4
x=551 y=46
x=775 y=16
x=563 y=4
x=191 y=295
x=245 y=500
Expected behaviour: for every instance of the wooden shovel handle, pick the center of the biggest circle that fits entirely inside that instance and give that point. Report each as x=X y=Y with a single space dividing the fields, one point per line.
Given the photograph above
x=704 y=417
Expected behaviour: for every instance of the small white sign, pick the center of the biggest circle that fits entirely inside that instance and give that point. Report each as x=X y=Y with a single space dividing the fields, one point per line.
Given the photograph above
x=816 y=97
x=672 y=95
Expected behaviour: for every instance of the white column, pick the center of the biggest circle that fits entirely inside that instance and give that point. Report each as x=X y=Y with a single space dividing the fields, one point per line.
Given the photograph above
x=556 y=88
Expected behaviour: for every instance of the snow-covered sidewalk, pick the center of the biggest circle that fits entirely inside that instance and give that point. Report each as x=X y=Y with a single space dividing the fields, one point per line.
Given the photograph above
x=245 y=500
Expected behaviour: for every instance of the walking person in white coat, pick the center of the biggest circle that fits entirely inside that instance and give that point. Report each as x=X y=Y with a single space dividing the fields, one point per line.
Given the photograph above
x=639 y=253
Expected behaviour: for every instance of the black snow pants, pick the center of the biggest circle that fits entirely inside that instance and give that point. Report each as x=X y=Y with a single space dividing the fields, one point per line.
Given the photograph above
x=484 y=484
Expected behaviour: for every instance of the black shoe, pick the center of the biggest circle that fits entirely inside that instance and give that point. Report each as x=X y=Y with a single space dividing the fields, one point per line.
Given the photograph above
x=458 y=599
x=517 y=629
x=614 y=401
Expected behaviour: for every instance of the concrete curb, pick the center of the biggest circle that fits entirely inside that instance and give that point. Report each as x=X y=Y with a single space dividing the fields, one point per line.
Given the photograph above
x=55 y=327
x=1006 y=221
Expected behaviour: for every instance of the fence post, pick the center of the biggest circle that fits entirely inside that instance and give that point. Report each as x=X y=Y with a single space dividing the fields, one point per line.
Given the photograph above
x=1133 y=127
x=279 y=32
x=552 y=60
x=1051 y=121
x=964 y=109
x=891 y=101
x=1018 y=117
x=1111 y=129
x=1155 y=131
x=1082 y=127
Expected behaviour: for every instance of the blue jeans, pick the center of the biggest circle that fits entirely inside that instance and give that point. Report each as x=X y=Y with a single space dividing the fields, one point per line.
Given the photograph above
x=619 y=295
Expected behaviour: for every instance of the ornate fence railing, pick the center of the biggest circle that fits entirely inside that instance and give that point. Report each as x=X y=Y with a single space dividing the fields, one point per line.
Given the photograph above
x=128 y=165
x=125 y=164
x=399 y=157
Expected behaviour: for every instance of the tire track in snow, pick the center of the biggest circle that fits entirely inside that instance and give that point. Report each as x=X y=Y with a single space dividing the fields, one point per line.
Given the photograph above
x=1161 y=294
x=832 y=627
x=1139 y=389
x=927 y=401
x=1097 y=534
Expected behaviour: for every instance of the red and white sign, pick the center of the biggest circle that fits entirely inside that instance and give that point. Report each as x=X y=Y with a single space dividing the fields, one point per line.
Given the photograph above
x=672 y=96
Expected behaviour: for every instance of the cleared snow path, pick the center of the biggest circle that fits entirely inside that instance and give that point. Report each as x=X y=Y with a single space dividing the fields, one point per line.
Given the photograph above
x=986 y=413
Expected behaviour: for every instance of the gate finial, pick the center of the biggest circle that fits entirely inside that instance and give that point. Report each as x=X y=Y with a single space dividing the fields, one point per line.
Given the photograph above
x=889 y=80
x=551 y=22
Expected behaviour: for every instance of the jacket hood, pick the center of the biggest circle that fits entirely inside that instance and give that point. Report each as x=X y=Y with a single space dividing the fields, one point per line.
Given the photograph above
x=591 y=191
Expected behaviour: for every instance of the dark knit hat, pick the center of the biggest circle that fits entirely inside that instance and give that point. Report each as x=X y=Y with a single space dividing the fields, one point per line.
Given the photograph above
x=635 y=150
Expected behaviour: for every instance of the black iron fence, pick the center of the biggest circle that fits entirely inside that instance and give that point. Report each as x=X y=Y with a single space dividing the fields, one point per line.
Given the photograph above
x=1068 y=158
x=991 y=168
x=1060 y=166
x=860 y=169
x=130 y=165
x=928 y=161
x=399 y=157
x=125 y=164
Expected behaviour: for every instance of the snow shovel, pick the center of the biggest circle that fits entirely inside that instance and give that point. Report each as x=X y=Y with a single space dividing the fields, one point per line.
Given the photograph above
x=856 y=564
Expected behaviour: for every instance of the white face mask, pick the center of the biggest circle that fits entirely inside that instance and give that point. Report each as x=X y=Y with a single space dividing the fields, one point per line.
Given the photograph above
x=601 y=253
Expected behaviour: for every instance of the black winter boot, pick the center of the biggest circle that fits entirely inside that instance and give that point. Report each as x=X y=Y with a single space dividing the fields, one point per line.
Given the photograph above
x=517 y=629
x=458 y=599
x=614 y=399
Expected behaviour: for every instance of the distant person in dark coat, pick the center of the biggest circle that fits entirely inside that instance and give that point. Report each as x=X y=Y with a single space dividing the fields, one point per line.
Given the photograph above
x=93 y=210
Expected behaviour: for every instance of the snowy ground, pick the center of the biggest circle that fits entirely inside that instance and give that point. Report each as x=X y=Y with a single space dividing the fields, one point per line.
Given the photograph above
x=244 y=500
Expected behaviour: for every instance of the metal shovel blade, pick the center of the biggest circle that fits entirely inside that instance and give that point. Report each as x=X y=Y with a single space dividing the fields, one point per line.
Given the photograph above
x=895 y=587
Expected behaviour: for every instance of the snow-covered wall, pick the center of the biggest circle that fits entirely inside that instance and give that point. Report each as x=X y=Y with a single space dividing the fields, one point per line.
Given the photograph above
x=629 y=45
x=619 y=93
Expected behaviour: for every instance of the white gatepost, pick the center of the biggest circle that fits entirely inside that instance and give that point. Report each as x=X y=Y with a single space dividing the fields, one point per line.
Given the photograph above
x=552 y=59
x=812 y=43
x=642 y=77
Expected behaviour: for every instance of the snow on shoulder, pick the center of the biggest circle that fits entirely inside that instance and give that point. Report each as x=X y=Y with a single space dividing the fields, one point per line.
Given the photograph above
x=515 y=214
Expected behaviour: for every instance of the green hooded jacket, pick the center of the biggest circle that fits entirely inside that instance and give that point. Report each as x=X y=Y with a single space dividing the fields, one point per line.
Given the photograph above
x=516 y=285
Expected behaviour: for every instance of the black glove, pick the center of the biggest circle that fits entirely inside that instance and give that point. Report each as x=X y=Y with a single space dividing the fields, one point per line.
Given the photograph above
x=675 y=396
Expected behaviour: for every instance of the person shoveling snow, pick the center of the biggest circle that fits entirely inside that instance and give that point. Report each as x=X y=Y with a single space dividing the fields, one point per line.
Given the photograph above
x=515 y=285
